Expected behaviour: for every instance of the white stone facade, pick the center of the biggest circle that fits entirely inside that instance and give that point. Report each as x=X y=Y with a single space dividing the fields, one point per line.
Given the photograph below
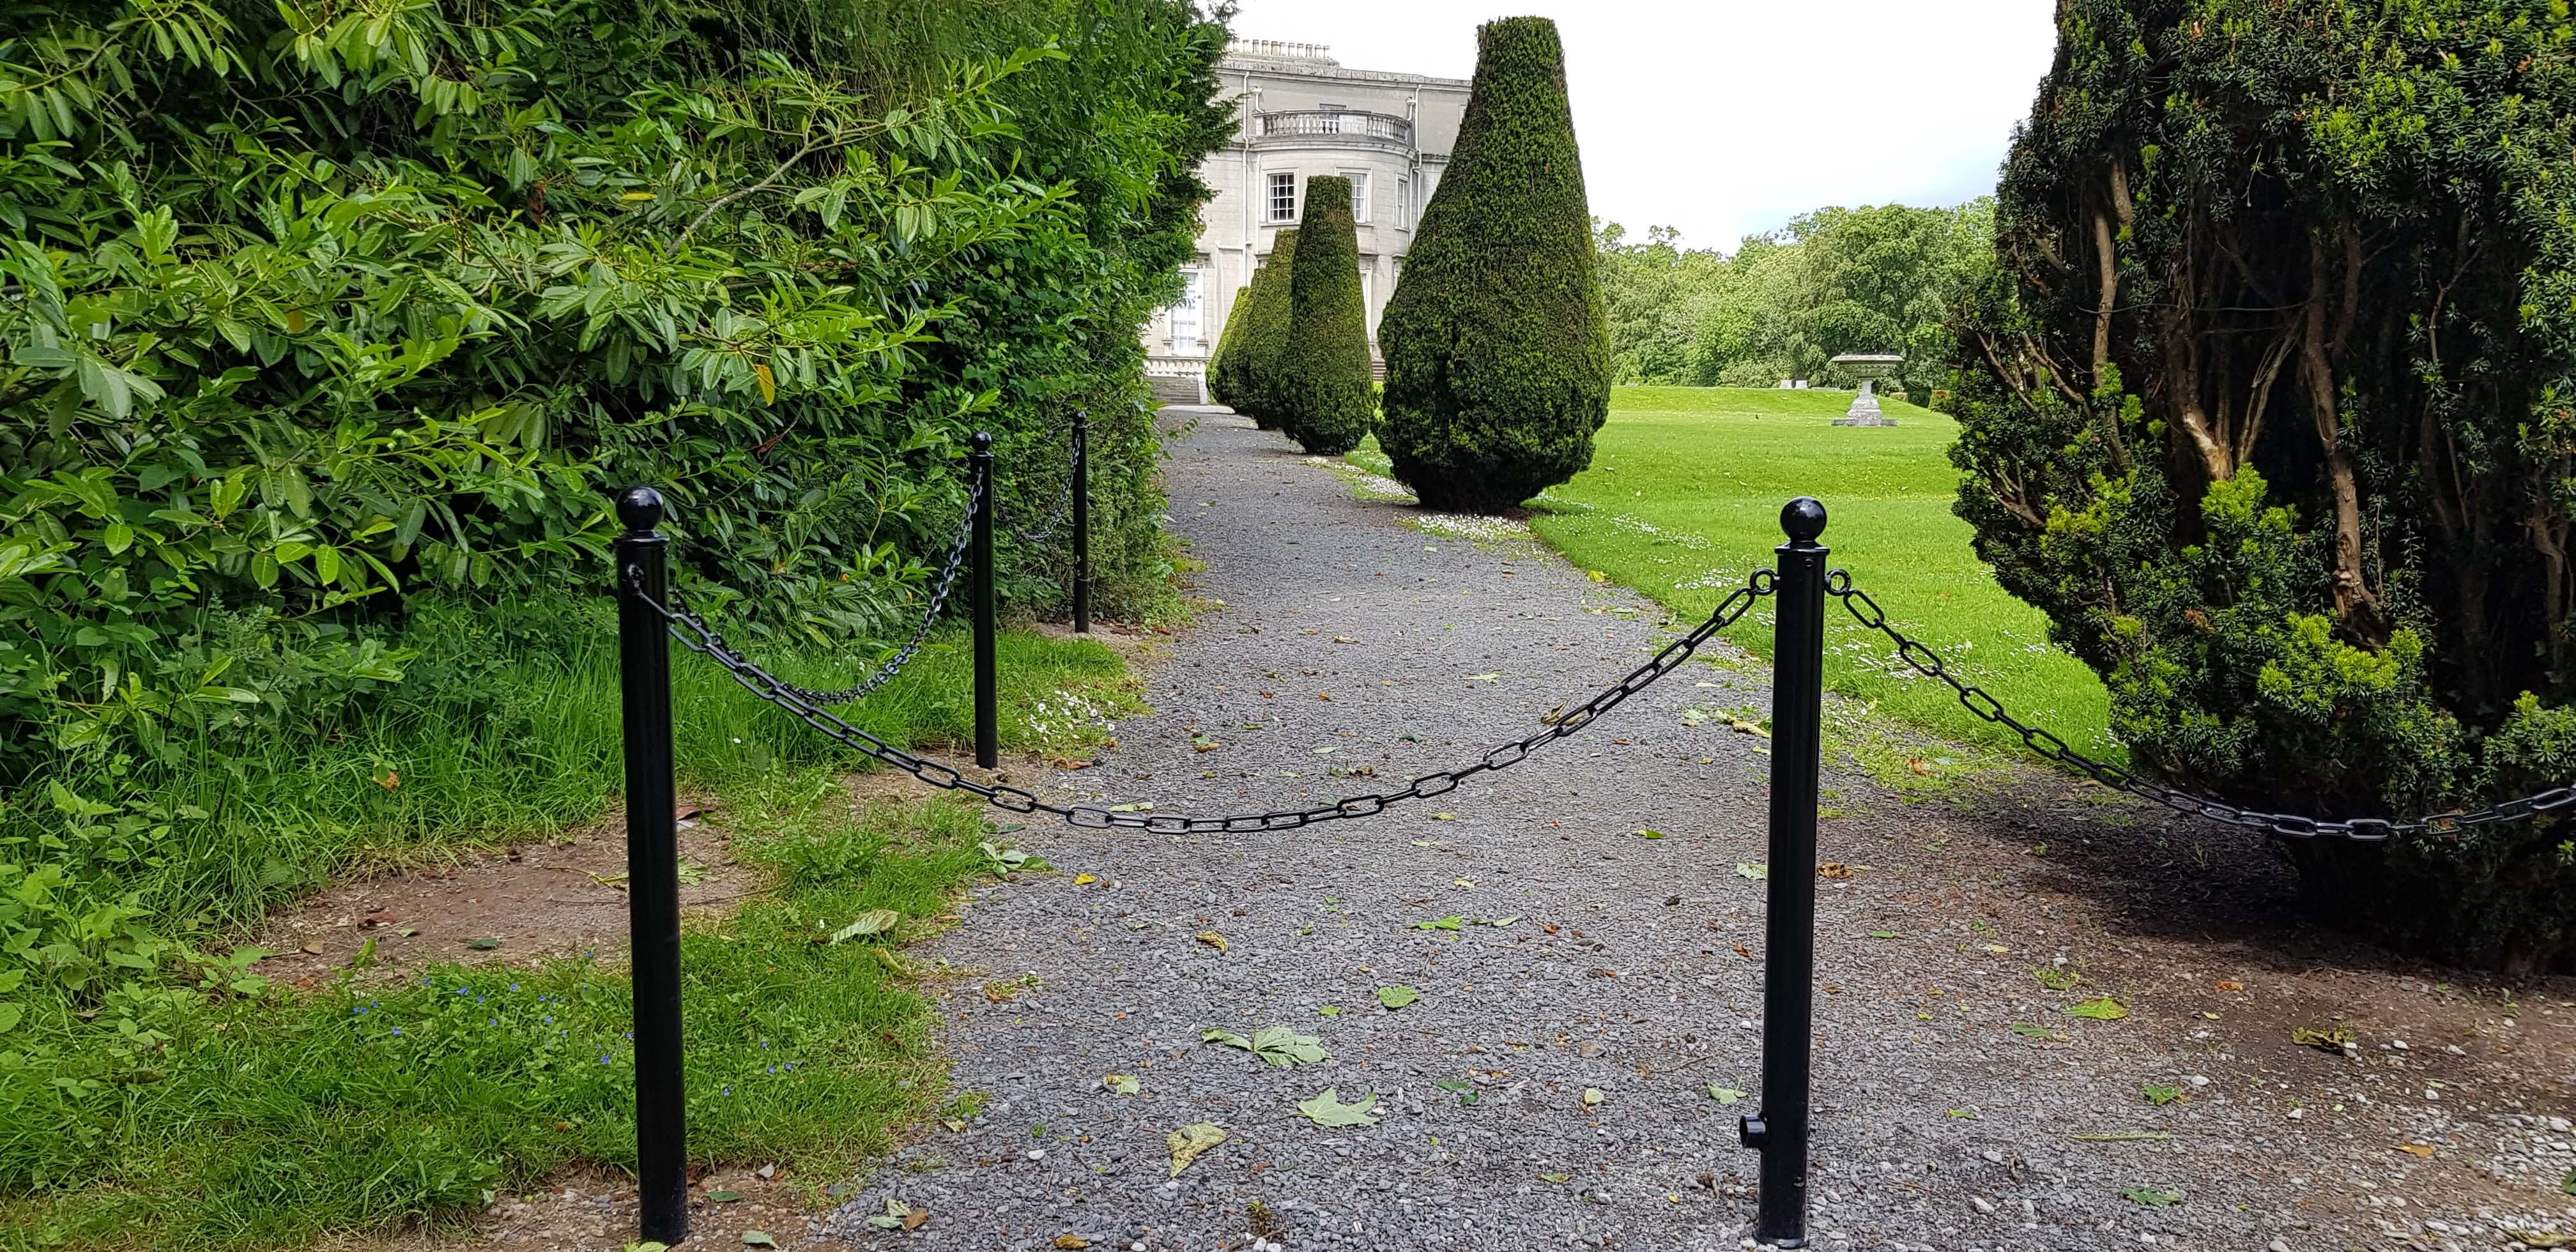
x=1304 y=115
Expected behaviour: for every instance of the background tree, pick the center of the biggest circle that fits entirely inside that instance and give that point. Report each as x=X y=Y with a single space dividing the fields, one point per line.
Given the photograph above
x=1226 y=384
x=1327 y=392
x=2267 y=403
x=1880 y=278
x=1497 y=351
x=1265 y=330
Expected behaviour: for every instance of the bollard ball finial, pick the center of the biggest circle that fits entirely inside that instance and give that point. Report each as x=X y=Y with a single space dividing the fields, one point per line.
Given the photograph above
x=640 y=508
x=981 y=441
x=1802 y=519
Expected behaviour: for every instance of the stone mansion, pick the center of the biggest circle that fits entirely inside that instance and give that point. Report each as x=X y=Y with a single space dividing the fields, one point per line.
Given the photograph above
x=1302 y=114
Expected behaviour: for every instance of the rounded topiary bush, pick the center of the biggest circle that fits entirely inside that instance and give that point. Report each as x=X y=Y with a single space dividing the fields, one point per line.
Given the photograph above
x=1327 y=393
x=2267 y=403
x=1225 y=380
x=1497 y=347
x=1265 y=328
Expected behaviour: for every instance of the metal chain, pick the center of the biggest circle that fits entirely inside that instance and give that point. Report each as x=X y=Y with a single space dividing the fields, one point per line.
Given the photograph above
x=2287 y=825
x=1063 y=505
x=893 y=665
x=695 y=635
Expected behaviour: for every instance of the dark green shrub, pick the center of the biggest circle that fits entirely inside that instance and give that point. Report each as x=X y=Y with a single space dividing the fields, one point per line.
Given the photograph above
x=1265 y=330
x=1225 y=367
x=1497 y=351
x=1327 y=395
x=2267 y=403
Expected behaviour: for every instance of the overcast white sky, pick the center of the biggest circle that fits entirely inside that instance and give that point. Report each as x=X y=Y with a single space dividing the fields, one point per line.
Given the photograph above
x=1728 y=117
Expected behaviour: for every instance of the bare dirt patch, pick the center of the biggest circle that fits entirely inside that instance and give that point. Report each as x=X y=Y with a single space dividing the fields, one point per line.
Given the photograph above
x=528 y=904
x=593 y=1212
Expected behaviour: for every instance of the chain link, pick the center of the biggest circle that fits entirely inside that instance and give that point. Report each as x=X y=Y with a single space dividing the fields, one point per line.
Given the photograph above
x=946 y=582
x=694 y=634
x=1063 y=500
x=2286 y=825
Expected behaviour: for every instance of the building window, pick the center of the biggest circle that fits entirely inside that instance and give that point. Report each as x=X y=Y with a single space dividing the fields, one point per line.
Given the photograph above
x=1183 y=317
x=1359 y=194
x=1404 y=202
x=1283 y=197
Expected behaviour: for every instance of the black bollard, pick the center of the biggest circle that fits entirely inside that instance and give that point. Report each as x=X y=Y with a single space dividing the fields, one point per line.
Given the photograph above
x=1081 y=522
x=1779 y=1130
x=988 y=713
x=652 y=869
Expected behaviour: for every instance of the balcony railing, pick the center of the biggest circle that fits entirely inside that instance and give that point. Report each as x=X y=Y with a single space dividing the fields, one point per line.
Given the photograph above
x=1317 y=124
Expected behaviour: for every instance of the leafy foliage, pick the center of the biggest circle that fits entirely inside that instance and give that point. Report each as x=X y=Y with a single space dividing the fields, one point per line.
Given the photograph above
x=1265 y=330
x=2267 y=404
x=308 y=310
x=1326 y=390
x=1497 y=355
x=1880 y=278
x=1226 y=382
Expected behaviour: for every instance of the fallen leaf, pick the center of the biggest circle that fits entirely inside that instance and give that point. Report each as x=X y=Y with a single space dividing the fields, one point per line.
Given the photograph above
x=1462 y=882
x=1123 y=1084
x=1330 y=1010
x=1438 y=923
x=1919 y=765
x=723 y=1197
x=1075 y=1242
x=390 y=781
x=2151 y=1197
x=1276 y=1044
x=895 y=1215
x=1752 y=869
x=2159 y=1096
x=2567 y=1185
x=2029 y=1031
x=1885 y=934
x=2334 y=1040
x=1558 y=1179
x=1725 y=1096
x=2543 y=1238
x=1591 y=1097
x=1444 y=817
x=1344 y=639
x=1084 y=880
x=874 y=921
x=1328 y=1110
x=1745 y=952
x=2230 y=984
x=483 y=945
x=2100 y=1008
x=1482 y=678
x=1212 y=939
x=1833 y=869
x=1498 y=921
x=1201 y=743
x=2424 y=1150
x=1191 y=1140
x=1962 y=1114
x=1397 y=997
x=1650 y=834
x=758 y=1239
x=1130 y=808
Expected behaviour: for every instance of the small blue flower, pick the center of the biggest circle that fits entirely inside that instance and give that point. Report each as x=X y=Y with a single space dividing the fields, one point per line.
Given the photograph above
x=514 y=986
x=603 y=1059
x=491 y=1021
x=791 y=1067
x=550 y=1021
x=397 y=1030
x=773 y=1069
x=728 y=1091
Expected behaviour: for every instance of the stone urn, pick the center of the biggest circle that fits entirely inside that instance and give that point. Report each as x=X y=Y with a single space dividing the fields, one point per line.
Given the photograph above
x=1869 y=368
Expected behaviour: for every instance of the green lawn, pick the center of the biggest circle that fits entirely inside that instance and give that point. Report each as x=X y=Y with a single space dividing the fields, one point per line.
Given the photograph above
x=1683 y=499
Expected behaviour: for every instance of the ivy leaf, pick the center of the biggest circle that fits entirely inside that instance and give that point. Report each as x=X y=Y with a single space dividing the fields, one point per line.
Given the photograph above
x=2100 y=1009
x=1397 y=997
x=1725 y=1096
x=1438 y=923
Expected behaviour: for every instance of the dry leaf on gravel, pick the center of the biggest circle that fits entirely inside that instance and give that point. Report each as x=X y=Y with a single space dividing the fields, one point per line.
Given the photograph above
x=2419 y=1149
x=1072 y=1242
x=1212 y=939
x=1191 y=1140
x=1833 y=869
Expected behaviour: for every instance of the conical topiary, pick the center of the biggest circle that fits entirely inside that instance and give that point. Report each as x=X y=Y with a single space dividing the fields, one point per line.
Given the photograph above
x=1225 y=367
x=1327 y=397
x=1497 y=349
x=1265 y=328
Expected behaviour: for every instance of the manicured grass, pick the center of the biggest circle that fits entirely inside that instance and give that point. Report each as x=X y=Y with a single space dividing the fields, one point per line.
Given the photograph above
x=1683 y=500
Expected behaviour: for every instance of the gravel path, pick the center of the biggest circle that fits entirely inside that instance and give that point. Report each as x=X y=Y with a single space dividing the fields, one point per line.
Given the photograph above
x=1590 y=1030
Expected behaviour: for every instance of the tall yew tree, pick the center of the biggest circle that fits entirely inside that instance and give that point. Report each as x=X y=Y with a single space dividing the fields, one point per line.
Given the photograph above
x=1326 y=396
x=1497 y=344
x=2268 y=404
